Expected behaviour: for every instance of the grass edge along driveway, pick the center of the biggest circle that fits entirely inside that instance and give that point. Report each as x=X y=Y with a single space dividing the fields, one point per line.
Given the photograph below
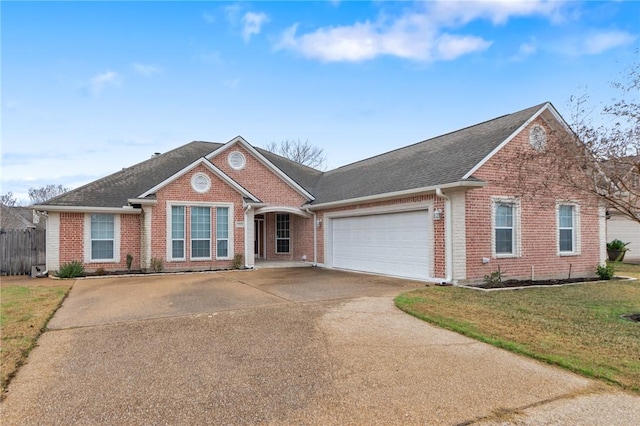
x=24 y=314
x=576 y=327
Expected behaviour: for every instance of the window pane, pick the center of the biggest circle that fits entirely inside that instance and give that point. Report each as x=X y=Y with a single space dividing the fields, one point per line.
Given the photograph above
x=102 y=226
x=200 y=222
x=504 y=241
x=504 y=215
x=177 y=249
x=101 y=249
x=282 y=246
x=566 y=240
x=200 y=248
x=222 y=223
x=221 y=249
x=177 y=222
x=566 y=216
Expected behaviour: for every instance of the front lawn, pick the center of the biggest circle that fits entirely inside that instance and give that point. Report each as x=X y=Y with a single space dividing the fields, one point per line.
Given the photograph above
x=24 y=313
x=577 y=327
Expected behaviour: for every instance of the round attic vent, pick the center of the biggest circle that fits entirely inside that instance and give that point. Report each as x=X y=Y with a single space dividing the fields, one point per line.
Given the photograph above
x=237 y=160
x=200 y=182
x=538 y=137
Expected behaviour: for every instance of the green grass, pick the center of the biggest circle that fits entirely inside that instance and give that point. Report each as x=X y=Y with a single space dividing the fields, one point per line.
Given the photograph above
x=24 y=313
x=577 y=327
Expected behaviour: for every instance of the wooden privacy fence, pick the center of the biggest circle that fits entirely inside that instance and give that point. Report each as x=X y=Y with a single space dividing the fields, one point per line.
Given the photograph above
x=20 y=249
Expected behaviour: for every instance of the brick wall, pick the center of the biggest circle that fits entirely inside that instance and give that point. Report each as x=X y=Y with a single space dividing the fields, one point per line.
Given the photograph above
x=538 y=224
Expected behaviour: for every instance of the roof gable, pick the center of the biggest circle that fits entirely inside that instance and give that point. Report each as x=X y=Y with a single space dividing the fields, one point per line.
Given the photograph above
x=239 y=140
x=206 y=163
x=438 y=161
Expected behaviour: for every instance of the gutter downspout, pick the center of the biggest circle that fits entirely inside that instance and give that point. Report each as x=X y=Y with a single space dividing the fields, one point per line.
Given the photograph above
x=315 y=236
x=448 y=239
x=246 y=259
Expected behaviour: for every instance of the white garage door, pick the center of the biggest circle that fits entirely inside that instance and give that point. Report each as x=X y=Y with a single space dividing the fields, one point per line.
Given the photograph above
x=621 y=228
x=391 y=244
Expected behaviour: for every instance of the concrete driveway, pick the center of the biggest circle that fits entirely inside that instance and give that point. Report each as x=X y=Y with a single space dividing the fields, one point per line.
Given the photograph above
x=295 y=346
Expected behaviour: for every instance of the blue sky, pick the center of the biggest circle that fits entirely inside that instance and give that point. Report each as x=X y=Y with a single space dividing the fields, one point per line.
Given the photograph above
x=91 y=87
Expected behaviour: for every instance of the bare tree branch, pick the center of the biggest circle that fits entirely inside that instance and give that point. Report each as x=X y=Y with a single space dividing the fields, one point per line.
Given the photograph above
x=42 y=194
x=599 y=161
x=300 y=152
x=8 y=199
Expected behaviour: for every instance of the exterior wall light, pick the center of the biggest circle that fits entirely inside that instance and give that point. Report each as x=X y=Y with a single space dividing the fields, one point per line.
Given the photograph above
x=437 y=214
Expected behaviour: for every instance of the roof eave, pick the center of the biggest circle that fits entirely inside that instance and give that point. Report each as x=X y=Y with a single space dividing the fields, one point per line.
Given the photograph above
x=396 y=194
x=86 y=209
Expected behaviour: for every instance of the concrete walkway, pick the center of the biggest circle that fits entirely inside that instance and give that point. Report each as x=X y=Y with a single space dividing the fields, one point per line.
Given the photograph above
x=301 y=346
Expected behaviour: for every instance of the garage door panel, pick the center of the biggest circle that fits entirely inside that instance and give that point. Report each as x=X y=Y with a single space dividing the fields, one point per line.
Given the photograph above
x=393 y=244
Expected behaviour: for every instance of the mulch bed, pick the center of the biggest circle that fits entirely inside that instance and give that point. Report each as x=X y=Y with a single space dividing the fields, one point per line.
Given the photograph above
x=527 y=283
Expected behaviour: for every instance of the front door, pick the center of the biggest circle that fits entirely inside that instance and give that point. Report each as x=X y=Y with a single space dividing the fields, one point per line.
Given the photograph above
x=258 y=244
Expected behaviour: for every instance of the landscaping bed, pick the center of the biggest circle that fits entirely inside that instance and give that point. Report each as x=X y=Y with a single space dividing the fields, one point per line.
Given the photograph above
x=528 y=283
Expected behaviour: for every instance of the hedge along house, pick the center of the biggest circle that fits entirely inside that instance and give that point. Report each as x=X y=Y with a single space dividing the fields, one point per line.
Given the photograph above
x=439 y=210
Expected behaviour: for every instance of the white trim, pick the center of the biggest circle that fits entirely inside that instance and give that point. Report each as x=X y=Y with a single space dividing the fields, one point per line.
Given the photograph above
x=427 y=206
x=282 y=209
x=576 y=235
x=169 y=243
x=194 y=183
x=262 y=159
x=143 y=201
x=205 y=162
x=545 y=107
x=187 y=232
x=276 y=233
x=396 y=194
x=87 y=209
x=53 y=241
x=87 y=239
x=517 y=228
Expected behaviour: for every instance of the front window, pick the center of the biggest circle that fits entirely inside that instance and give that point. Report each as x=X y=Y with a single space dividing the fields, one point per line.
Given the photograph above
x=200 y=233
x=177 y=232
x=566 y=228
x=504 y=228
x=222 y=232
x=102 y=237
x=282 y=233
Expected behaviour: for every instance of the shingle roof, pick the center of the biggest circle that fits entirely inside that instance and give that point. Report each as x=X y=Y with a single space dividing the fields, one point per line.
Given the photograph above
x=12 y=218
x=114 y=190
x=437 y=161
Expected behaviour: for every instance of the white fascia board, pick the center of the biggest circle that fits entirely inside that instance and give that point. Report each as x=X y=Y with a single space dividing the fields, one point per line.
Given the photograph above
x=143 y=201
x=396 y=194
x=200 y=161
x=545 y=107
x=262 y=159
x=282 y=209
x=87 y=209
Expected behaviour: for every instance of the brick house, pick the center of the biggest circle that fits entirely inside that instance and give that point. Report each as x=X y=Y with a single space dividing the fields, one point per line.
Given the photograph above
x=438 y=210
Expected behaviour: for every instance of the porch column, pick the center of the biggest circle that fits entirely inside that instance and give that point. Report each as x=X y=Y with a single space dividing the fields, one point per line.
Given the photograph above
x=249 y=237
x=145 y=238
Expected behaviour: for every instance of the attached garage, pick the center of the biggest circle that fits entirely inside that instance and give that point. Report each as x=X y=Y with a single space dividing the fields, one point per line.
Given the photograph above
x=623 y=228
x=394 y=244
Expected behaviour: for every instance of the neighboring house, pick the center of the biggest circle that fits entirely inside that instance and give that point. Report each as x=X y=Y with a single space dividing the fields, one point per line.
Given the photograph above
x=17 y=218
x=624 y=173
x=438 y=210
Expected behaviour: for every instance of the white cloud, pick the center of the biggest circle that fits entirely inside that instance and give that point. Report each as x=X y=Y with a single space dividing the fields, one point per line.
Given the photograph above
x=525 y=50
x=145 y=69
x=99 y=82
x=252 y=24
x=209 y=18
x=599 y=42
x=424 y=32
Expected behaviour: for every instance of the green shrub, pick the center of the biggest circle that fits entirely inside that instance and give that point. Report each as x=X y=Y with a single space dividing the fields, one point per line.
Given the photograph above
x=71 y=269
x=605 y=272
x=494 y=279
x=238 y=261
